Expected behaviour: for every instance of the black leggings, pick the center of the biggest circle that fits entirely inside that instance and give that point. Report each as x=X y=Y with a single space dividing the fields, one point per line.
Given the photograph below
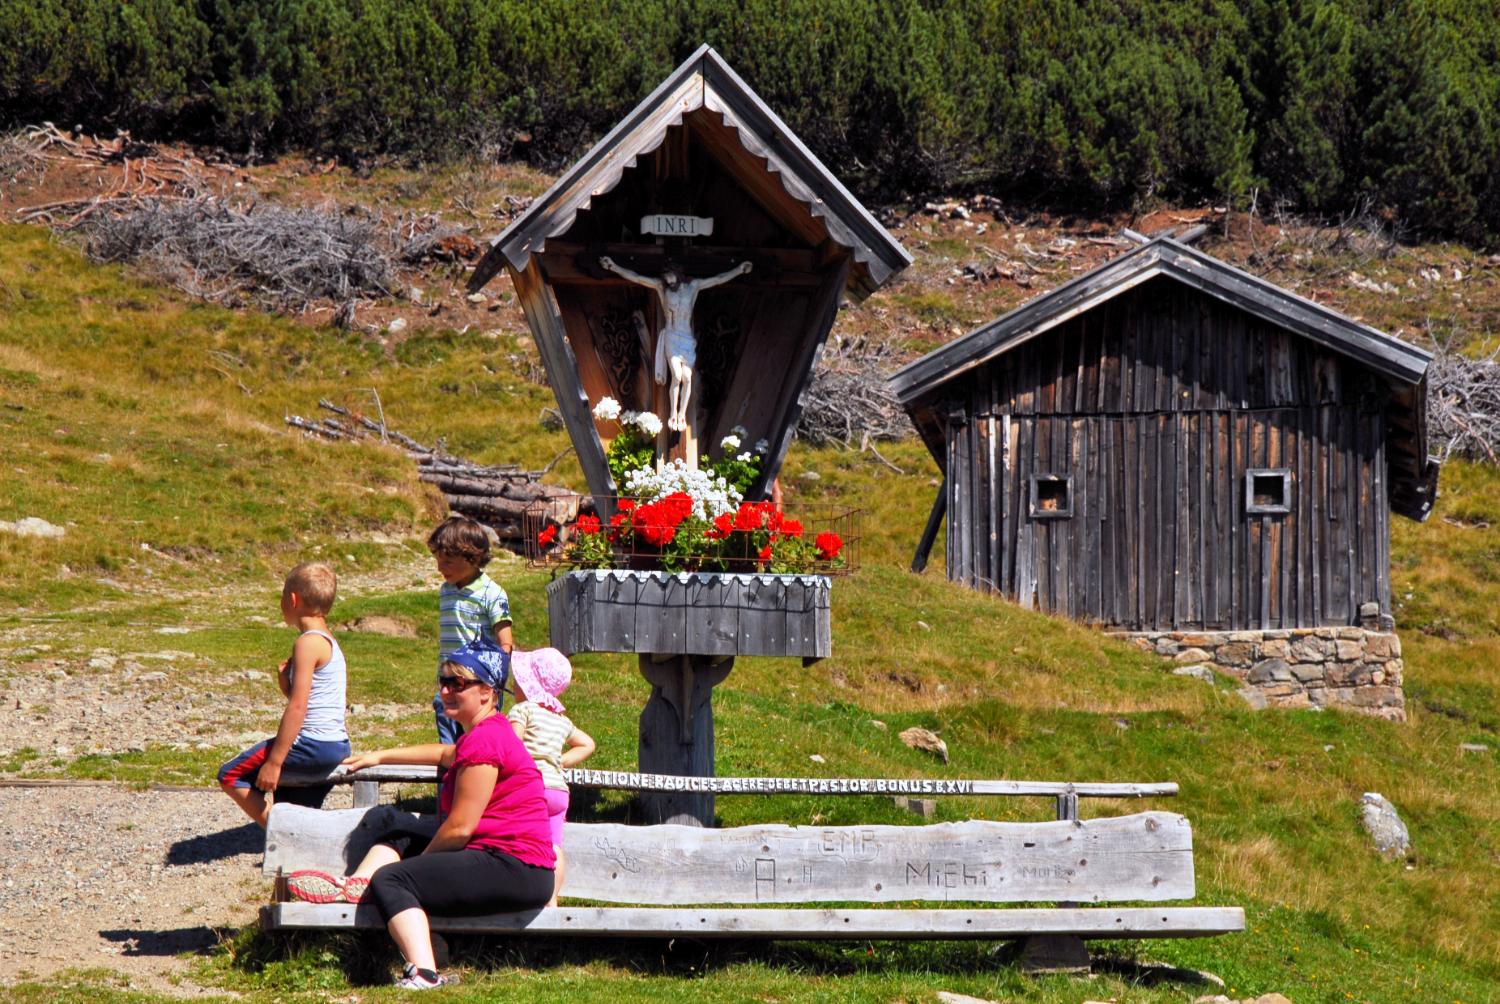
x=459 y=884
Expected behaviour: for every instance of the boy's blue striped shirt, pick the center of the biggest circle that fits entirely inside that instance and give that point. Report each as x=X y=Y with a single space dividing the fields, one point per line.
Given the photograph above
x=470 y=612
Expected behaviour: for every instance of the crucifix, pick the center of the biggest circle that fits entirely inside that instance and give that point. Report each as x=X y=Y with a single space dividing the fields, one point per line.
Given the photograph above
x=676 y=345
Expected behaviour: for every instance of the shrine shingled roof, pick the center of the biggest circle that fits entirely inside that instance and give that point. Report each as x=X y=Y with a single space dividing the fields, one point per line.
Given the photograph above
x=705 y=82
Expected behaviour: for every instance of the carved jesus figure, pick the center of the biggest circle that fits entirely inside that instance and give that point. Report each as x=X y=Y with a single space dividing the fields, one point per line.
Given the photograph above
x=676 y=346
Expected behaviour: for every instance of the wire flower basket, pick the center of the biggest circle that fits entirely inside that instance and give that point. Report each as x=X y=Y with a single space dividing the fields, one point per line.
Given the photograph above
x=676 y=533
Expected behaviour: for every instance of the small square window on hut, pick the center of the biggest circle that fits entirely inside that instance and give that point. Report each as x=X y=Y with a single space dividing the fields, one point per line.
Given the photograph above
x=1268 y=491
x=1051 y=496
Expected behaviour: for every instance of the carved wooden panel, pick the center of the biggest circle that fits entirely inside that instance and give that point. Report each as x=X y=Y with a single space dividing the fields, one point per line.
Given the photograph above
x=691 y=613
x=1145 y=856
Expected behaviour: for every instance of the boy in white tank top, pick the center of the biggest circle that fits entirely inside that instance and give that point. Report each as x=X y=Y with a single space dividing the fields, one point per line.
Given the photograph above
x=312 y=737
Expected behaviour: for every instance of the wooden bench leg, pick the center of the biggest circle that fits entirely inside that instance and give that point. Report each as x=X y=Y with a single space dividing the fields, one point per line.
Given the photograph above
x=366 y=794
x=1054 y=953
x=1057 y=953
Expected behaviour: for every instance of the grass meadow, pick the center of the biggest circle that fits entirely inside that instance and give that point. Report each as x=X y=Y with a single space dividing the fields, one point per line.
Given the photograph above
x=153 y=429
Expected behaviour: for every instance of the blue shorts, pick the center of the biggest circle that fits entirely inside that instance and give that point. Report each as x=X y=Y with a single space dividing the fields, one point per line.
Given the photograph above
x=314 y=756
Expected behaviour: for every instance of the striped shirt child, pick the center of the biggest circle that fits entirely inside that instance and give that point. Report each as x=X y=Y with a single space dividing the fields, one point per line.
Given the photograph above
x=474 y=611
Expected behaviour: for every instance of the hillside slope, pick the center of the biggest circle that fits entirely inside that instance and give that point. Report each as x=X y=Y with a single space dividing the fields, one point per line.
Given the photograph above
x=151 y=429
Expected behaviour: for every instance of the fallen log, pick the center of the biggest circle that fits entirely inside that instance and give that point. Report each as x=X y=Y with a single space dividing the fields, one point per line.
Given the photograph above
x=493 y=507
x=504 y=498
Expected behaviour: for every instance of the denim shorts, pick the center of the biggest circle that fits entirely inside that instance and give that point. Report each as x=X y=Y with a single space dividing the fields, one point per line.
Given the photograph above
x=314 y=756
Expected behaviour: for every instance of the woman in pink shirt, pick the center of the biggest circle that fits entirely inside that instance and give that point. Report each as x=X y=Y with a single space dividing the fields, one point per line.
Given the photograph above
x=492 y=852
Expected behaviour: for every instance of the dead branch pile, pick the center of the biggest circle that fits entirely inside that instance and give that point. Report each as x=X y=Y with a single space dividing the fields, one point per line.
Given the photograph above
x=285 y=258
x=848 y=401
x=144 y=173
x=20 y=157
x=1358 y=237
x=170 y=213
x=498 y=497
x=427 y=238
x=1463 y=405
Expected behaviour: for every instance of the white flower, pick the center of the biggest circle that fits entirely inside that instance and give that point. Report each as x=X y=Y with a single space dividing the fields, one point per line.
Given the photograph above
x=743 y=457
x=761 y=446
x=730 y=443
x=648 y=423
x=607 y=410
x=738 y=432
x=710 y=499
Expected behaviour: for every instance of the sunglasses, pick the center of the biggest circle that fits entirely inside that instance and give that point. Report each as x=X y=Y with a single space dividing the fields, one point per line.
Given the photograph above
x=457 y=684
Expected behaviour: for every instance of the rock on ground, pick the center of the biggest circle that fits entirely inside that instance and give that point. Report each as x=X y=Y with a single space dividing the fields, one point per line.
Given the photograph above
x=1385 y=825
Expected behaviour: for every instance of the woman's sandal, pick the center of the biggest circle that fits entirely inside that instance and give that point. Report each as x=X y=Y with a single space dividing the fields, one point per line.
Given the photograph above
x=313 y=886
x=354 y=889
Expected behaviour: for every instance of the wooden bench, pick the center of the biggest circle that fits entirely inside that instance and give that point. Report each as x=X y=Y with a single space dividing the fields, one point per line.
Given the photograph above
x=762 y=880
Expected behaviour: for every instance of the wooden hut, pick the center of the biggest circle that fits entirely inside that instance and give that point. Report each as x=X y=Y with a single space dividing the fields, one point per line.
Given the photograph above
x=702 y=175
x=1170 y=444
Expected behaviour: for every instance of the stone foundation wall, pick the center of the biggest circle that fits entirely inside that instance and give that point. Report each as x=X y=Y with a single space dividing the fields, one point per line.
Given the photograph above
x=1355 y=668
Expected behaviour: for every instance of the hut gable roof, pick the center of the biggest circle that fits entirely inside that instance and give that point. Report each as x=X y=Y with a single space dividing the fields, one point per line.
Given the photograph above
x=1413 y=481
x=1404 y=363
x=811 y=197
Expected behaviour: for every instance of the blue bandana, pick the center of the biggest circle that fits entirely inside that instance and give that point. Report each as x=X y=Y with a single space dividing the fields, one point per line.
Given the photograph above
x=489 y=663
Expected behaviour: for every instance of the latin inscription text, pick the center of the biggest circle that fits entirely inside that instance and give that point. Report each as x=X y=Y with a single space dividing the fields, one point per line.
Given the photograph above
x=673 y=225
x=749 y=785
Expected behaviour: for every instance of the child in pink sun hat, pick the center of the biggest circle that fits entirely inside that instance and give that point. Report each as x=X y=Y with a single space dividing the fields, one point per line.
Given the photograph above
x=552 y=740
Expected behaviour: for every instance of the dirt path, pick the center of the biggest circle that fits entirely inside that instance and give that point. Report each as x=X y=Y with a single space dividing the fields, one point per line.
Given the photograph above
x=102 y=876
x=99 y=875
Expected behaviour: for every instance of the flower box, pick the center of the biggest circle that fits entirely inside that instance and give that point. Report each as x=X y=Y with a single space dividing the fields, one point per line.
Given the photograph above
x=690 y=613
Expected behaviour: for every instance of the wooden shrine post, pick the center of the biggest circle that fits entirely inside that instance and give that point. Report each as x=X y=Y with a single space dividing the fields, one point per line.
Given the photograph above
x=677 y=731
x=691 y=265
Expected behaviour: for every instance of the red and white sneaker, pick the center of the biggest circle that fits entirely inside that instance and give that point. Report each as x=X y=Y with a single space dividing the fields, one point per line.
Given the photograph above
x=313 y=886
x=354 y=889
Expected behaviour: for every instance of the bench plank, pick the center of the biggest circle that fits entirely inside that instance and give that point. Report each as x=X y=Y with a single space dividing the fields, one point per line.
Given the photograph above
x=298 y=837
x=1146 y=856
x=1087 y=922
x=632 y=781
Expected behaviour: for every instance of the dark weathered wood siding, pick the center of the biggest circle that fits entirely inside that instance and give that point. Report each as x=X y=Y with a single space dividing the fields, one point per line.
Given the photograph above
x=1156 y=404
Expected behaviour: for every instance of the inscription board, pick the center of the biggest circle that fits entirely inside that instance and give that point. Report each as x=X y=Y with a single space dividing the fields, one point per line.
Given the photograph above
x=586 y=778
x=633 y=781
x=674 y=225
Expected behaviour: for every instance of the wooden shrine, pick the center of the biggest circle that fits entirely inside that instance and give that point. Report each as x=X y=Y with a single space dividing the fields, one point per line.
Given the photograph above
x=701 y=178
x=689 y=266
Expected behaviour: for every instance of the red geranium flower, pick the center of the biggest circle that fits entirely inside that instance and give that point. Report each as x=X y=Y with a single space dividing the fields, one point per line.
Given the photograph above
x=765 y=553
x=791 y=528
x=587 y=523
x=676 y=507
x=654 y=522
x=828 y=545
x=723 y=526
x=625 y=505
x=547 y=536
x=748 y=518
